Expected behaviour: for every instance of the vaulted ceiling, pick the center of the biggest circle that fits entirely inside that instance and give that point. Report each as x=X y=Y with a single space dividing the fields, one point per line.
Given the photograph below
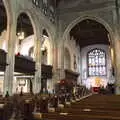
x=89 y=32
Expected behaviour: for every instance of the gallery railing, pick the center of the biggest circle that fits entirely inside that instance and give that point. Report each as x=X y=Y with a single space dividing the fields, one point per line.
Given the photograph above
x=2 y=60
x=26 y=65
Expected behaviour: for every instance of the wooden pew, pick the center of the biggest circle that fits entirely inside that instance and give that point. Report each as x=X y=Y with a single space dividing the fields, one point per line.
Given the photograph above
x=6 y=108
x=89 y=110
x=56 y=116
x=23 y=107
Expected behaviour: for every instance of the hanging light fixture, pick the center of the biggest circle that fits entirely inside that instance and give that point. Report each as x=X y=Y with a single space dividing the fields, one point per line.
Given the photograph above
x=21 y=34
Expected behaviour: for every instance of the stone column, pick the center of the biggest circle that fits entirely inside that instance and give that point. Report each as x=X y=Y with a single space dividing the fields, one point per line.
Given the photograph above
x=61 y=57
x=58 y=62
x=117 y=63
x=55 y=77
x=9 y=72
x=37 y=51
x=60 y=45
x=116 y=45
x=55 y=55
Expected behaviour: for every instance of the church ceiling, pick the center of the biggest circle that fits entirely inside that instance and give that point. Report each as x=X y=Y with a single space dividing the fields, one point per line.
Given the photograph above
x=81 y=32
x=89 y=32
x=65 y=4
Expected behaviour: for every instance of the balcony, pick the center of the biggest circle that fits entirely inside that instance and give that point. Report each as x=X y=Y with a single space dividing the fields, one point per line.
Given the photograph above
x=2 y=60
x=24 y=65
x=27 y=66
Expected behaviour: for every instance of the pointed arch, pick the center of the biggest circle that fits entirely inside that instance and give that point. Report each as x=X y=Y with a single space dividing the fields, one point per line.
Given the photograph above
x=84 y=17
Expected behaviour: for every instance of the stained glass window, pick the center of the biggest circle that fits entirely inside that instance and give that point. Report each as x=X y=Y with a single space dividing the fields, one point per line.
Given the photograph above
x=96 y=62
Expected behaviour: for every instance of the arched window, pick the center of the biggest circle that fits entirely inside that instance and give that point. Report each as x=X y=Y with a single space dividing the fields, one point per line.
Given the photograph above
x=96 y=62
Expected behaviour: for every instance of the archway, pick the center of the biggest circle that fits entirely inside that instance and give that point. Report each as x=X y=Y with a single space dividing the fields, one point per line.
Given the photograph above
x=24 y=58
x=24 y=34
x=46 y=48
x=84 y=17
x=89 y=33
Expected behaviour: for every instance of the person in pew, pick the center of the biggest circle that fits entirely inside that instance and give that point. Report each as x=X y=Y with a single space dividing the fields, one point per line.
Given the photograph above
x=68 y=97
x=113 y=89
x=53 y=101
x=44 y=105
x=31 y=87
x=44 y=91
x=110 y=88
x=0 y=92
x=7 y=94
x=102 y=90
x=21 y=92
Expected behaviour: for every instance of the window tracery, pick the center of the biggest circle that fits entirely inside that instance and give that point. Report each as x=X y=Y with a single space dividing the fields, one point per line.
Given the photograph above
x=96 y=62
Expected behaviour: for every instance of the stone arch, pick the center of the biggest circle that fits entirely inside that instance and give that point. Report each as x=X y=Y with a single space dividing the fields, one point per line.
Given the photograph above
x=49 y=34
x=37 y=21
x=91 y=17
x=84 y=17
x=49 y=28
x=8 y=12
x=10 y=21
x=33 y=21
x=50 y=47
x=67 y=58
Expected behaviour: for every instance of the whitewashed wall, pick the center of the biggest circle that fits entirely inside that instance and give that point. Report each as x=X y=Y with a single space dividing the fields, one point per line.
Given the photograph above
x=26 y=44
x=47 y=44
